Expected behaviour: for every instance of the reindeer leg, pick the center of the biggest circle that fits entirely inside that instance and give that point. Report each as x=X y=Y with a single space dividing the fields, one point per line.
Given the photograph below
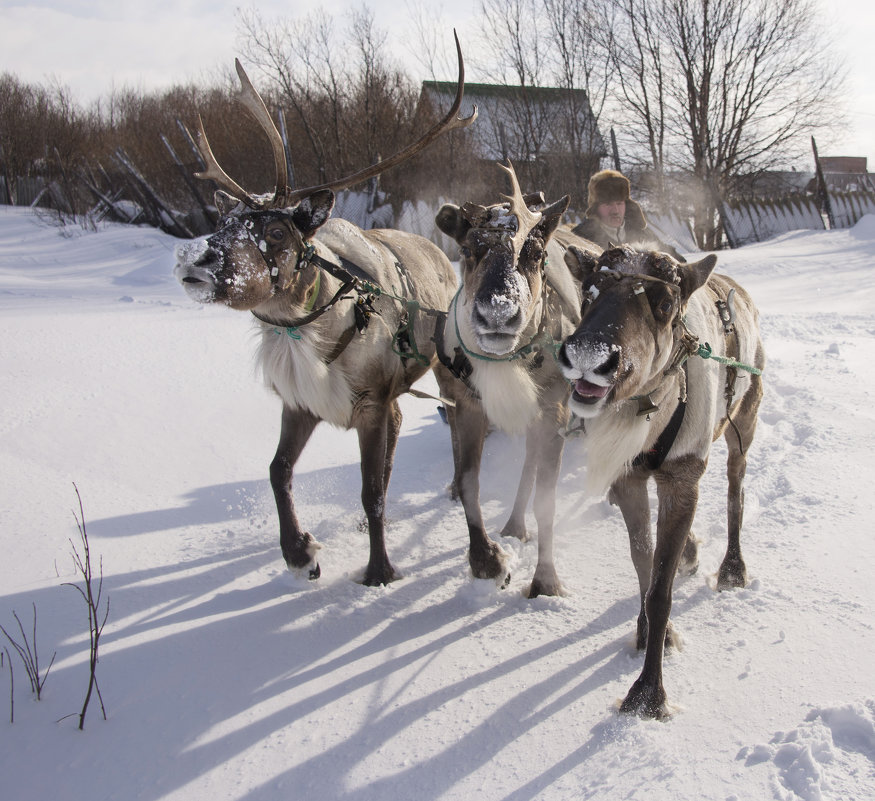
x=486 y=558
x=629 y=493
x=677 y=485
x=516 y=523
x=298 y=547
x=733 y=572
x=374 y=427
x=468 y=426
x=548 y=444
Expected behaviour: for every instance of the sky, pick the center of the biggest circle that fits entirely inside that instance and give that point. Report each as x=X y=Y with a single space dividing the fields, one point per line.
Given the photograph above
x=93 y=46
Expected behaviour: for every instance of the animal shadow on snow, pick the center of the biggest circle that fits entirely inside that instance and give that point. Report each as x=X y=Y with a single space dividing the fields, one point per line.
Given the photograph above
x=273 y=659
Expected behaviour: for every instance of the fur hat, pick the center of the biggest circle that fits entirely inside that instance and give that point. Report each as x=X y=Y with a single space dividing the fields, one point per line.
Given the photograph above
x=607 y=186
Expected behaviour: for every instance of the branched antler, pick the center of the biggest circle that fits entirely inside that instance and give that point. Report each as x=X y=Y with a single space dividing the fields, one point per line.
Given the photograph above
x=283 y=195
x=526 y=218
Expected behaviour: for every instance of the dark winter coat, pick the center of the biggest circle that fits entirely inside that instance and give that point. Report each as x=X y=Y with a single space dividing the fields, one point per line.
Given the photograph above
x=635 y=232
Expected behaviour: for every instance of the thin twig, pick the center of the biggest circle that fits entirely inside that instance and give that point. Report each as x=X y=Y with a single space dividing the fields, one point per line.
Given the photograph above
x=29 y=654
x=11 y=687
x=92 y=601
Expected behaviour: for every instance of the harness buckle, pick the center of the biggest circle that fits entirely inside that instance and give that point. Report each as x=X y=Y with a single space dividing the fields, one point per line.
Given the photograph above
x=304 y=258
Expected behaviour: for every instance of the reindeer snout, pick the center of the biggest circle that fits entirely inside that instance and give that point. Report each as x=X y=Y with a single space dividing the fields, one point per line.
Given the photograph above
x=196 y=268
x=498 y=315
x=592 y=366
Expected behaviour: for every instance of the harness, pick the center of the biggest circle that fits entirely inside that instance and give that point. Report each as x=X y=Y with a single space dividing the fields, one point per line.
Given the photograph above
x=356 y=285
x=460 y=364
x=686 y=345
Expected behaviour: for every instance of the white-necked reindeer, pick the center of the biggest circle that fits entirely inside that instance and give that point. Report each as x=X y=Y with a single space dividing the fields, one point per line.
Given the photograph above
x=517 y=299
x=652 y=404
x=333 y=346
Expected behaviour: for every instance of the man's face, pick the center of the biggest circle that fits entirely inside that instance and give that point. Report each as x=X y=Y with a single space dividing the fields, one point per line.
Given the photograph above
x=612 y=214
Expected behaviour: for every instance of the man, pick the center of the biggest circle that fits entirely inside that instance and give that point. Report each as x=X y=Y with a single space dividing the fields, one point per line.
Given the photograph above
x=613 y=218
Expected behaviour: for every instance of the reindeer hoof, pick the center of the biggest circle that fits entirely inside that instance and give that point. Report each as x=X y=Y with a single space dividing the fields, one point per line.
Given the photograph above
x=516 y=529
x=300 y=555
x=488 y=562
x=378 y=576
x=646 y=701
x=546 y=586
x=732 y=575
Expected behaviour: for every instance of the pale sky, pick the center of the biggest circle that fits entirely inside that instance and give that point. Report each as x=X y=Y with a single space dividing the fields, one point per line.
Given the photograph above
x=92 y=46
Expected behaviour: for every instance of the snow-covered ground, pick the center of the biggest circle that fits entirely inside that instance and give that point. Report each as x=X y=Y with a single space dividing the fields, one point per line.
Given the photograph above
x=225 y=677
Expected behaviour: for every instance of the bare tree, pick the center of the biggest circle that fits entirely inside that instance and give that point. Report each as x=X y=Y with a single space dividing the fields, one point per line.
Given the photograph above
x=349 y=104
x=637 y=55
x=726 y=87
x=92 y=596
x=550 y=56
x=579 y=59
x=427 y=42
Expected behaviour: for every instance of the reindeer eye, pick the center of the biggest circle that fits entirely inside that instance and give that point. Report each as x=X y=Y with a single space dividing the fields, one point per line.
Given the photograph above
x=665 y=307
x=276 y=234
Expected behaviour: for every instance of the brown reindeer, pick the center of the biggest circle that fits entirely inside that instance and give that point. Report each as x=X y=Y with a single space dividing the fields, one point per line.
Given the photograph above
x=346 y=319
x=652 y=404
x=517 y=300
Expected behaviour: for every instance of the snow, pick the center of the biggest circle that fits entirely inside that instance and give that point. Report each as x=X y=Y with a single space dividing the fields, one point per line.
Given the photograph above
x=225 y=677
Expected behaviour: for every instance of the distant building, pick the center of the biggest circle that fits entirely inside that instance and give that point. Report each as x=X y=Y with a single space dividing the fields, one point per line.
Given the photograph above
x=551 y=135
x=847 y=174
x=524 y=123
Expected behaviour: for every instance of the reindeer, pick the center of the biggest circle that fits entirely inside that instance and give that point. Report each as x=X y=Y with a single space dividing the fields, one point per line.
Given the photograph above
x=345 y=318
x=651 y=408
x=517 y=299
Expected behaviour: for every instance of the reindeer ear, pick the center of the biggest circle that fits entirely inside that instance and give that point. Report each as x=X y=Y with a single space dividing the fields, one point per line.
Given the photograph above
x=452 y=222
x=313 y=212
x=580 y=263
x=552 y=216
x=694 y=274
x=225 y=203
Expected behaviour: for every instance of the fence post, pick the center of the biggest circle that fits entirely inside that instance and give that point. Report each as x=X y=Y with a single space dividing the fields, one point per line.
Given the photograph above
x=822 y=193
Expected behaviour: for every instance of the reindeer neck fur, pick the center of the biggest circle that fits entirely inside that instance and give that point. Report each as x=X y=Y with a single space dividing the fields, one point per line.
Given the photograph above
x=507 y=389
x=292 y=361
x=617 y=435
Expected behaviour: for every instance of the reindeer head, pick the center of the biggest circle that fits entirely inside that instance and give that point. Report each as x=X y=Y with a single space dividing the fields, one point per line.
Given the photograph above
x=504 y=251
x=632 y=308
x=255 y=253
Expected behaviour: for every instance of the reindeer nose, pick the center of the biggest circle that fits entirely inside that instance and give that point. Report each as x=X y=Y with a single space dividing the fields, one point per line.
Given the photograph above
x=609 y=366
x=589 y=356
x=209 y=259
x=497 y=314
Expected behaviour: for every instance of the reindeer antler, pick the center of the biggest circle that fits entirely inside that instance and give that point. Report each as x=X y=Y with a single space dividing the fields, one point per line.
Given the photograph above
x=214 y=171
x=252 y=100
x=526 y=218
x=450 y=122
x=283 y=195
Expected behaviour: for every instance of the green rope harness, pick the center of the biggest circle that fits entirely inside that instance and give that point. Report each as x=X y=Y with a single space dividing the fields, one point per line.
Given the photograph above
x=704 y=351
x=542 y=340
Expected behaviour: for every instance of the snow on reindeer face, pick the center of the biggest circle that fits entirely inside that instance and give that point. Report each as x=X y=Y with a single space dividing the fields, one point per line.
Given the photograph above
x=626 y=334
x=504 y=248
x=250 y=256
x=501 y=287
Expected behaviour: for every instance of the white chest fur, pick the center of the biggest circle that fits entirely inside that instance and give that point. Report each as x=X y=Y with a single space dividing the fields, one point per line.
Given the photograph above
x=295 y=369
